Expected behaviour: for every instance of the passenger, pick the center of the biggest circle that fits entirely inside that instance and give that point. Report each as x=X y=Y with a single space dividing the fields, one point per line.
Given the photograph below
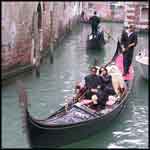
x=106 y=86
x=91 y=83
x=94 y=21
x=106 y=80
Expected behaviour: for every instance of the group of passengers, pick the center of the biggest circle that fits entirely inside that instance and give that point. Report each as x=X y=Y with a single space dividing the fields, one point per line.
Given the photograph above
x=99 y=86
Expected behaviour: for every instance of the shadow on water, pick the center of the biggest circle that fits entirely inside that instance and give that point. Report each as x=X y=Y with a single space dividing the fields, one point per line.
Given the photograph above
x=95 y=54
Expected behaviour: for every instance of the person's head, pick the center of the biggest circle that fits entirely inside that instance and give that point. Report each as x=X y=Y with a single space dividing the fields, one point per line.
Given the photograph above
x=93 y=70
x=103 y=71
x=131 y=28
x=95 y=12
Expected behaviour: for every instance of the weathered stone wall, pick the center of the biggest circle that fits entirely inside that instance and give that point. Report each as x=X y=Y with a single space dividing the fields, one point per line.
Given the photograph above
x=16 y=33
x=46 y=25
x=18 y=43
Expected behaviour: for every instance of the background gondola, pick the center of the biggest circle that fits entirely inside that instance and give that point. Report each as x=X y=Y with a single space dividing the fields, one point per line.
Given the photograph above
x=96 y=41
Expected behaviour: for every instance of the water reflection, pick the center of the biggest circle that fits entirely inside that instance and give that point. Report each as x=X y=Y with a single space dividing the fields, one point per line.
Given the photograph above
x=95 y=54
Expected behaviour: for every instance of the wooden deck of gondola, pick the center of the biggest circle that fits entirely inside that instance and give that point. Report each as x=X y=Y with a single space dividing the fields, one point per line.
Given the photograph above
x=87 y=110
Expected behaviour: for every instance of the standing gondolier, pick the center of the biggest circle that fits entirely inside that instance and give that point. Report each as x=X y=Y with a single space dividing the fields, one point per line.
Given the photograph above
x=94 y=21
x=128 y=41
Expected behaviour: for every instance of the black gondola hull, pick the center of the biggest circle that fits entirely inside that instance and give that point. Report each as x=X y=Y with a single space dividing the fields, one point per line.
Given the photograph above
x=55 y=137
x=50 y=134
x=97 y=42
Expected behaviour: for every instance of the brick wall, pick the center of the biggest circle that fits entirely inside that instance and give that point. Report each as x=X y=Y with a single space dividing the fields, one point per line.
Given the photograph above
x=17 y=29
x=16 y=33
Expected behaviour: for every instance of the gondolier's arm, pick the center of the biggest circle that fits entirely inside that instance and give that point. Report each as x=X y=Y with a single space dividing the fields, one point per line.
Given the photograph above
x=131 y=45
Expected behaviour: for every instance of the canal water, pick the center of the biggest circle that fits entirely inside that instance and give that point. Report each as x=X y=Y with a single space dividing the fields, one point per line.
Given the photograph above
x=56 y=83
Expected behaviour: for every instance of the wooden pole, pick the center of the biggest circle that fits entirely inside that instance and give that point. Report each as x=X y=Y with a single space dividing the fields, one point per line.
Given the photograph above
x=51 y=37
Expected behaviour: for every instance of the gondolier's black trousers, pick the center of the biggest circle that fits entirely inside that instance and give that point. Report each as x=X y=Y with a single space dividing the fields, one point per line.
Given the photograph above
x=127 y=60
x=94 y=29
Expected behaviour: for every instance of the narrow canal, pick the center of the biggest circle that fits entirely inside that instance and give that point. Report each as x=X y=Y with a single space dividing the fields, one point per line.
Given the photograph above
x=71 y=63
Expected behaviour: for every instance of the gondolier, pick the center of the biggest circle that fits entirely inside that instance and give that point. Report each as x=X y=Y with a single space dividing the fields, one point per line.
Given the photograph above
x=94 y=21
x=95 y=39
x=129 y=41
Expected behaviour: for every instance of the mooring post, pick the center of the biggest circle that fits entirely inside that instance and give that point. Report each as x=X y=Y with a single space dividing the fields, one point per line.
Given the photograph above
x=51 y=37
x=37 y=67
x=51 y=52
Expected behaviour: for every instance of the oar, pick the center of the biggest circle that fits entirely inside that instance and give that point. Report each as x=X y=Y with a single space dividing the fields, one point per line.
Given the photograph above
x=78 y=99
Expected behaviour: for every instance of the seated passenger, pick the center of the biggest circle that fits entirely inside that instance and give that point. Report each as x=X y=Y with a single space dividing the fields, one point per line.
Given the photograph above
x=91 y=83
x=106 y=80
x=106 y=86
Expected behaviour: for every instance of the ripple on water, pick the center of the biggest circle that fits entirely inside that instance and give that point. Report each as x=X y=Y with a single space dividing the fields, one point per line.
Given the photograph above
x=132 y=141
x=67 y=82
x=65 y=90
x=121 y=133
x=112 y=145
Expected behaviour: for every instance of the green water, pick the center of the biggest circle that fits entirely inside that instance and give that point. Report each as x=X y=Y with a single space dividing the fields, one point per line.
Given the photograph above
x=71 y=62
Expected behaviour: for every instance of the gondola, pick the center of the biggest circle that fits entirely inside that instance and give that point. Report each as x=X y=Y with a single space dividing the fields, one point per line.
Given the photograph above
x=96 y=41
x=74 y=122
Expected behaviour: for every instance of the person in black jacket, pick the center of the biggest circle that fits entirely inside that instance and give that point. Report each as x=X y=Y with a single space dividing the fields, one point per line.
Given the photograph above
x=94 y=21
x=129 y=41
x=91 y=83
